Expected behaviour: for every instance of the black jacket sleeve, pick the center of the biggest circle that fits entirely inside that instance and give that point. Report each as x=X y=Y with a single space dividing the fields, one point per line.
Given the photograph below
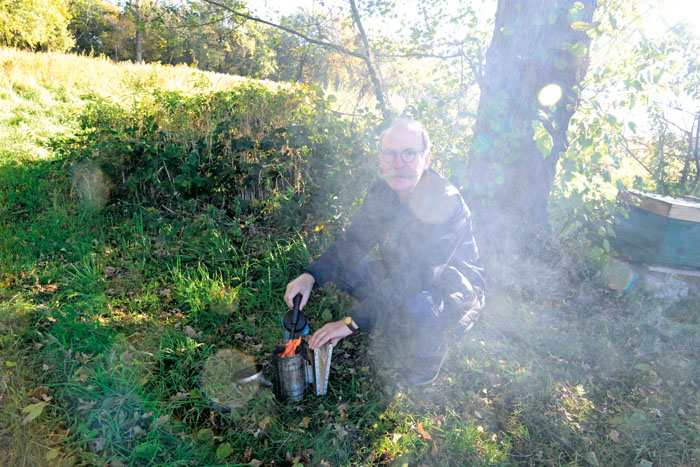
x=353 y=245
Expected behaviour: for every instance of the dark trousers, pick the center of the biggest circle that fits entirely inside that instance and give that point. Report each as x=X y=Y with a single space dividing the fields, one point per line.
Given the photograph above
x=420 y=320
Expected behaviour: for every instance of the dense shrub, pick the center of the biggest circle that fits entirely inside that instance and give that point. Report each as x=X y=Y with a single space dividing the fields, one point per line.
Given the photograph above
x=278 y=156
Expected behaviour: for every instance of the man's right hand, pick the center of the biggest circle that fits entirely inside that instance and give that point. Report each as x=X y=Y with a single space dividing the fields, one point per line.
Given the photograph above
x=301 y=285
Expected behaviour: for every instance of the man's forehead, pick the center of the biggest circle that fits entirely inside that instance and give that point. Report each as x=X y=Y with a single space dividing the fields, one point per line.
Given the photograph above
x=403 y=134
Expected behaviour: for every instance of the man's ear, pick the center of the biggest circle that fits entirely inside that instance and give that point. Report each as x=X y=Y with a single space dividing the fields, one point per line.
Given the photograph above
x=427 y=161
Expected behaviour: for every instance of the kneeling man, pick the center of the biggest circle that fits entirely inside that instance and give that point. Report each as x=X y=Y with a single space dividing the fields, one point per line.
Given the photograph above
x=426 y=279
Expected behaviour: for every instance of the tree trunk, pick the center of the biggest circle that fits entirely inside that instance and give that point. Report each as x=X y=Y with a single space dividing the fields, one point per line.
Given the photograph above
x=509 y=174
x=139 y=32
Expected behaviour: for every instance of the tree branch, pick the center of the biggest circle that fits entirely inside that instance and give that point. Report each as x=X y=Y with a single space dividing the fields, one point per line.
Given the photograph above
x=629 y=151
x=421 y=55
x=378 y=91
x=329 y=45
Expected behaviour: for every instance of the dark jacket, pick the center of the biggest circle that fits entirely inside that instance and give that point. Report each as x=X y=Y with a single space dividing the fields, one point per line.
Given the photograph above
x=425 y=241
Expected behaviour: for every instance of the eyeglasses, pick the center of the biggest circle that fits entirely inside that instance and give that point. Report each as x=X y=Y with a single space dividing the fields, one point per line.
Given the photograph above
x=409 y=155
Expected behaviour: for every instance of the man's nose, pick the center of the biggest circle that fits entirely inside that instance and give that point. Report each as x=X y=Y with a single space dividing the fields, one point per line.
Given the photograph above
x=398 y=161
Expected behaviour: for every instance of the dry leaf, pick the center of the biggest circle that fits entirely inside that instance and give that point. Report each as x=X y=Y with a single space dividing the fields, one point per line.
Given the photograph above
x=422 y=432
x=161 y=420
x=255 y=463
x=426 y=435
x=340 y=429
x=180 y=395
x=191 y=333
x=614 y=436
x=304 y=422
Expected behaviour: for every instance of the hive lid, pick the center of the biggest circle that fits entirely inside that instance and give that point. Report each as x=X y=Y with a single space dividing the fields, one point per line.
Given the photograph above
x=665 y=206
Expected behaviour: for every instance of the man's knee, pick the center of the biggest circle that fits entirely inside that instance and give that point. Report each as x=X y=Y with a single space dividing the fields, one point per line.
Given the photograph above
x=426 y=307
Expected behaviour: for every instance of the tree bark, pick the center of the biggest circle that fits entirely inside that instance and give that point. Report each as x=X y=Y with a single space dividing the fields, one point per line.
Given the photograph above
x=139 y=32
x=509 y=177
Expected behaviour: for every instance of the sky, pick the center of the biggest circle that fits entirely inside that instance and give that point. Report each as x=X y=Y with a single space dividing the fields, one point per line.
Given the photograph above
x=277 y=8
x=671 y=12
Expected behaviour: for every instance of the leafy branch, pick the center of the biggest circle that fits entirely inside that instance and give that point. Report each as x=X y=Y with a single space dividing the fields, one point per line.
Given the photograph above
x=365 y=57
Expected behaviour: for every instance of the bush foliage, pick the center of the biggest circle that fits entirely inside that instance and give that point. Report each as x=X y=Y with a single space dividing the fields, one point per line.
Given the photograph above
x=275 y=155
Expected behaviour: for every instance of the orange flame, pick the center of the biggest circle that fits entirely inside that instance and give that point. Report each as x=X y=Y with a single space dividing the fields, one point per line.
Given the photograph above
x=291 y=348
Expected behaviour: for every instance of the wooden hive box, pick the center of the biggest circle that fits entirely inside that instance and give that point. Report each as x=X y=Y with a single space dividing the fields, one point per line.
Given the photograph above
x=659 y=230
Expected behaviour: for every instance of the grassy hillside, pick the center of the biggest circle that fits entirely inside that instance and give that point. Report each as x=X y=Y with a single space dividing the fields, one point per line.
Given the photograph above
x=150 y=218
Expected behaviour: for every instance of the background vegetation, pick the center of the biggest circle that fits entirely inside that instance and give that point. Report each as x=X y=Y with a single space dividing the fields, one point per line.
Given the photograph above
x=151 y=216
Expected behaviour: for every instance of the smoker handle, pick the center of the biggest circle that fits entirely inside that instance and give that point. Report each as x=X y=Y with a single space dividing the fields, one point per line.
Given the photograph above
x=295 y=314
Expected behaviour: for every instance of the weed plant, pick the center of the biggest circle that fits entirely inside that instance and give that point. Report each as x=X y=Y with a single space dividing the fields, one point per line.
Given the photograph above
x=110 y=313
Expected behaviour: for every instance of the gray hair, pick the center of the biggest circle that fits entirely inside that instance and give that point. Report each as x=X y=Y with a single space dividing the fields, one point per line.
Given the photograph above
x=411 y=124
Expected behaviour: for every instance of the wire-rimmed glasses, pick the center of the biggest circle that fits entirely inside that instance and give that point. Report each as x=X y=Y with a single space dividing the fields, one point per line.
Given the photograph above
x=408 y=156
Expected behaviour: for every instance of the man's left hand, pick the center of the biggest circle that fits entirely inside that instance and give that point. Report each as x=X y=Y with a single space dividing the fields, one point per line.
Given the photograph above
x=333 y=331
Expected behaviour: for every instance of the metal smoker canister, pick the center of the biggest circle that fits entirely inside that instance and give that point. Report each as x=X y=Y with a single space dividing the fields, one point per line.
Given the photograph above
x=290 y=376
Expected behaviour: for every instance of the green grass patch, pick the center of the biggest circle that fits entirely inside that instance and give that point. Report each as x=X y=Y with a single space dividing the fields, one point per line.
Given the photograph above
x=110 y=313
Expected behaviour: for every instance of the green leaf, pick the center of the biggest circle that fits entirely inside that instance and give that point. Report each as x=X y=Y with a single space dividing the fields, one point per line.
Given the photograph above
x=578 y=50
x=645 y=367
x=591 y=458
x=543 y=141
x=223 y=451
x=51 y=455
x=580 y=26
x=205 y=435
x=33 y=411
x=568 y=165
x=146 y=450
x=326 y=315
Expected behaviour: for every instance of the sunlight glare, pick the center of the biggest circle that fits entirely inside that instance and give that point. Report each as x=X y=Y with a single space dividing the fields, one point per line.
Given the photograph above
x=549 y=95
x=676 y=12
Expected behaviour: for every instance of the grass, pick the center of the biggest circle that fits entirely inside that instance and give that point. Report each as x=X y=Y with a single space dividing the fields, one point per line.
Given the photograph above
x=108 y=319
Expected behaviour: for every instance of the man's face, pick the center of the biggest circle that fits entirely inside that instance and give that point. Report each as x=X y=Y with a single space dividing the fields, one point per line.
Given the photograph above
x=403 y=176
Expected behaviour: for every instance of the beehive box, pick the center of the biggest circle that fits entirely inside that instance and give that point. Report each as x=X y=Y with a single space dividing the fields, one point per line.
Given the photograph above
x=659 y=230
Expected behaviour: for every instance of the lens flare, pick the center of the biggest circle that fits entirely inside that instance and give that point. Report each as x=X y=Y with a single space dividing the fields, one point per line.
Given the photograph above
x=618 y=275
x=549 y=95
x=217 y=382
x=91 y=184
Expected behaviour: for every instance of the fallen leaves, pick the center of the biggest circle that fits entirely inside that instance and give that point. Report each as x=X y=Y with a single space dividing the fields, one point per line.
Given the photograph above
x=191 y=333
x=264 y=422
x=340 y=430
x=304 y=422
x=427 y=437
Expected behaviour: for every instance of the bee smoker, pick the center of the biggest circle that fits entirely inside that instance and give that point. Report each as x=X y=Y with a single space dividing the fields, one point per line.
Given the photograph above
x=308 y=368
